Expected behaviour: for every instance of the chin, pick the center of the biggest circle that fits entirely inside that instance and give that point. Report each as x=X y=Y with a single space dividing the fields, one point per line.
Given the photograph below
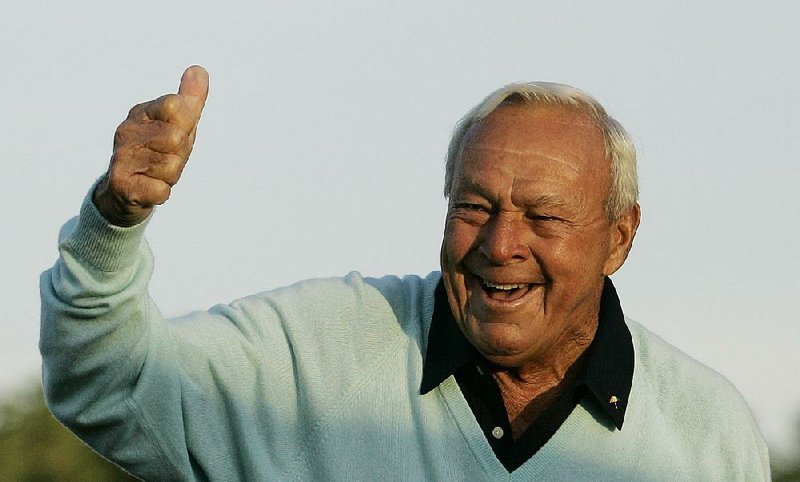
x=501 y=342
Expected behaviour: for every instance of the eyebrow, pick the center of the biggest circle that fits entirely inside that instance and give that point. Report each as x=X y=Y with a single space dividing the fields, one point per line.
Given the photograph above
x=544 y=200
x=536 y=200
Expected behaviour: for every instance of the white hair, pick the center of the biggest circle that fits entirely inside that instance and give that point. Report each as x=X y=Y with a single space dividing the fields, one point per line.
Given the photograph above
x=619 y=149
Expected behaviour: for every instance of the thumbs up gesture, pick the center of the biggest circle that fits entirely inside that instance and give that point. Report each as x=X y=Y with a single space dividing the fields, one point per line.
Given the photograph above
x=151 y=148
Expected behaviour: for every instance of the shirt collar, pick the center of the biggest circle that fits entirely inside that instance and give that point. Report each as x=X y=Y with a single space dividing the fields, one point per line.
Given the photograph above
x=608 y=374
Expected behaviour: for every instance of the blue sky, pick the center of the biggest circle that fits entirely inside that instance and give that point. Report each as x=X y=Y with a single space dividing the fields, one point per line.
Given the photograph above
x=322 y=144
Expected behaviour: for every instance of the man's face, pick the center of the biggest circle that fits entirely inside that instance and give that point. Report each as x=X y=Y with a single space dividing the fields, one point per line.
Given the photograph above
x=527 y=241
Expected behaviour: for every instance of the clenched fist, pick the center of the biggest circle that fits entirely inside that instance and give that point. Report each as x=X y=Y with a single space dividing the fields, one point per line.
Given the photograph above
x=151 y=148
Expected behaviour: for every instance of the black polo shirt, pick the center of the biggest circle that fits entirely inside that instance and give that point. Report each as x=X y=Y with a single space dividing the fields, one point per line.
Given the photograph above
x=605 y=378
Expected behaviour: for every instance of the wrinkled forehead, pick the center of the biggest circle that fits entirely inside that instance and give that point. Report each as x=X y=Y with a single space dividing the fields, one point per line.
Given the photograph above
x=540 y=131
x=521 y=126
x=546 y=151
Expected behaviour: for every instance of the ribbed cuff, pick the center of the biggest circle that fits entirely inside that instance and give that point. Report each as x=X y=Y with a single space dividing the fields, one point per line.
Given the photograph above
x=103 y=245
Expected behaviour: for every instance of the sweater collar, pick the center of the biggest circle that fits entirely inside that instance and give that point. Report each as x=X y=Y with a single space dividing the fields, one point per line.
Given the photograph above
x=608 y=373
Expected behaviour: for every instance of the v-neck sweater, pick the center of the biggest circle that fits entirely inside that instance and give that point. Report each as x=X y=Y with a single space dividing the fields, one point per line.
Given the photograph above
x=604 y=376
x=320 y=381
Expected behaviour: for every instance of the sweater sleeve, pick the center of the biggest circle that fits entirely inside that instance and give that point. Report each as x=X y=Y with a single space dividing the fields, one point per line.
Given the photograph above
x=107 y=366
x=243 y=391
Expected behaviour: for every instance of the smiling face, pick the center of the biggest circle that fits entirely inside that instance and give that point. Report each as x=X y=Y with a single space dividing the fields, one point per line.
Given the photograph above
x=527 y=241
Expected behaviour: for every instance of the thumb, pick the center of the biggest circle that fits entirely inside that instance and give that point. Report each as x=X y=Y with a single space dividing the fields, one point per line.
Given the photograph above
x=194 y=88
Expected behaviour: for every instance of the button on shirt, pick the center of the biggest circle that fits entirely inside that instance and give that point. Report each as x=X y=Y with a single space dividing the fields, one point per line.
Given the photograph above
x=604 y=379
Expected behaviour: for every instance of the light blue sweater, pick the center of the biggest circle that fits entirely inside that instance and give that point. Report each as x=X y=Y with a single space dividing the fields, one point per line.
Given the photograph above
x=320 y=381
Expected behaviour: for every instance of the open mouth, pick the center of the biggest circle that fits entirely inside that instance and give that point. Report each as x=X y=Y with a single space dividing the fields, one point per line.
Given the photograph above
x=505 y=292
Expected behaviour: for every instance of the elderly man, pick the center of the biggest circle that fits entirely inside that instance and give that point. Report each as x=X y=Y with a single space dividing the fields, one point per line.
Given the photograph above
x=514 y=363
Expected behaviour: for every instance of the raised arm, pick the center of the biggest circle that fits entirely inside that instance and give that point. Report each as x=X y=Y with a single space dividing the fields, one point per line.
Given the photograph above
x=244 y=391
x=113 y=371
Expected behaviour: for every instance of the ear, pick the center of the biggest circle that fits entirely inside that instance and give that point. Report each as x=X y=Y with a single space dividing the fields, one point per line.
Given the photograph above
x=622 y=234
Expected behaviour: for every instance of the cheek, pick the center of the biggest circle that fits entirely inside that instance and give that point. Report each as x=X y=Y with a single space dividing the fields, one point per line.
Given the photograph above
x=457 y=243
x=555 y=258
x=576 y=255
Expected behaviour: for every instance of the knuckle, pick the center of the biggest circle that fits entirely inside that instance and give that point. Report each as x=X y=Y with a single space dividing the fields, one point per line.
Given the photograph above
x=170 y=103
x=119 y=137
x=160 y=193
x=172 y=161
x=116 y=160
x=125 y=132
x=175 y=137
x=136 y=110
x=146 y=192
x=172 y=169
x=122 y=154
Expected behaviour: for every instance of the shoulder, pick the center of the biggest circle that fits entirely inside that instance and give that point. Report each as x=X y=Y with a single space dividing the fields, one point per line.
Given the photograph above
x=352 y=307
x=327 y=337
x=692 y=403
x=668 y=368
x=679 y=381
x=411 y=297
x=404 y=295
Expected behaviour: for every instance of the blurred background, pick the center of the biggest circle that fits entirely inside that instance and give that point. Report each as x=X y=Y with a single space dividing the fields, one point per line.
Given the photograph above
x=321 y=151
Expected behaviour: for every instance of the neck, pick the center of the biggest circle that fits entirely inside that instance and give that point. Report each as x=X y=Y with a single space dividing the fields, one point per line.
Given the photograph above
x=529 y=389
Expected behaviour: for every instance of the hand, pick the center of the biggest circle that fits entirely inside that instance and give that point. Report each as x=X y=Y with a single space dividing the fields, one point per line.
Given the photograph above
x=151 y=148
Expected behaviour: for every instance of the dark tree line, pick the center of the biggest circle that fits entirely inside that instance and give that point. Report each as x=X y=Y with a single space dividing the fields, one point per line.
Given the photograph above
x=35 y=447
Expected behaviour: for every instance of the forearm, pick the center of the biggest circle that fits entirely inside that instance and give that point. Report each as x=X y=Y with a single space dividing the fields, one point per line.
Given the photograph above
x=103 y=341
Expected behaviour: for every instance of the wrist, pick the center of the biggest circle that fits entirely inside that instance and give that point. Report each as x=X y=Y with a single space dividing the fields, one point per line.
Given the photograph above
x=114 y=209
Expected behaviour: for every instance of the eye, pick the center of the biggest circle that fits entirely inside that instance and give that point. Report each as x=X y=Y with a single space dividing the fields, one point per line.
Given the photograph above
x=543 y=217
x=470 y=212
x=472 y=207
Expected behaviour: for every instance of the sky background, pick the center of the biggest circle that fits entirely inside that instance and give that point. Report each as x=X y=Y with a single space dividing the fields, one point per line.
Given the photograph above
x=322 y=143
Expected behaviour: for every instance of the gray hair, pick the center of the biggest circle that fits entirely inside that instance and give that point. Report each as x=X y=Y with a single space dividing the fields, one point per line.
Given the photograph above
x=624 y=190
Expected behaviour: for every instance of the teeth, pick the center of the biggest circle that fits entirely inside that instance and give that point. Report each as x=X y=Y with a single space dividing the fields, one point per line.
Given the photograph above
x=504 y=287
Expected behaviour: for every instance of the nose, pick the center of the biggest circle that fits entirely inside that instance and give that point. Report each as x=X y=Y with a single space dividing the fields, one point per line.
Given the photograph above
x=503 y=241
